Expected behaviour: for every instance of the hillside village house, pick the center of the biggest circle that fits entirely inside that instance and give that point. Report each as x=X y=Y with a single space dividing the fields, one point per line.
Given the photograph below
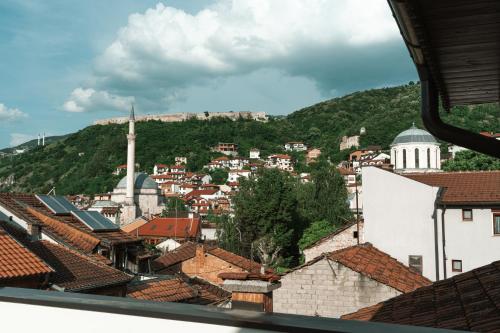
x=254 y=154
x=349 y=142
x=280 y=161
x=234 y=175
x=344 y=281
x=439 y=223
x=295 y=146
x=230 y=149
x=312 y=155
x=180 y=160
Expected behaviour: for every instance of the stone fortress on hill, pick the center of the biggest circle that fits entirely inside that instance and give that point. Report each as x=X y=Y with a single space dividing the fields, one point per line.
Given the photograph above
x=175 y=117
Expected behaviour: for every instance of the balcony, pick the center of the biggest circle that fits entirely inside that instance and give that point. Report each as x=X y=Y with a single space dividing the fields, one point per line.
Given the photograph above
x=28 y=310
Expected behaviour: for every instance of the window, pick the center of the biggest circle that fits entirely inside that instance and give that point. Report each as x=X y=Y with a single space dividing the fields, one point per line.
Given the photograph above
x=417 y=159
x=496 y=223
x=404 y=158
x=355 y=233
x=466 y=214
x=415 y=262
x=456 y=265
x=428 y=158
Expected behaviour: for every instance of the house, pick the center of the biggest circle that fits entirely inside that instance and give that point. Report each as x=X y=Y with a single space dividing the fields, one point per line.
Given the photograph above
x=344 y=281
x=160 y=169
x=159 y=229
x=180 y=160
x=254 y=153
x=179 y=289
x=348 y=235
x=466 y=302
x=280 y=161
x=312 y=155
x=443 y=223
x=234 y=175
x=120 y=170
x=348 y=175
x=107 y=208
x=230 y=149
x=203 y=261
x=238 y=163
x=348 y=142
x=295 y=146
x=64 y=228
x=27 y=261
x=356 y=155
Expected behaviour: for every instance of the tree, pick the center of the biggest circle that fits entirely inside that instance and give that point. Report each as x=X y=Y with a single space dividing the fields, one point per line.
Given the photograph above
x=325 y=197
x=315 y=232
x=174 y=205
x=219 y=176
x=228 y=233
x=469 y=160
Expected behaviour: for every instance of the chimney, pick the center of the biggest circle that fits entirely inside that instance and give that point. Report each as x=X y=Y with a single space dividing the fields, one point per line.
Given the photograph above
x=251 y=291
x=34 y=231
x=200 y=256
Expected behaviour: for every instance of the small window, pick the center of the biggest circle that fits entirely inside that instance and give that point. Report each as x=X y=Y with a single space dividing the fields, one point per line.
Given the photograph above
x=456 y=265
x=466 y=214
x=415 y=262
x=496 y=223
x=404 y=158
x=355 y=233
x=417 y=159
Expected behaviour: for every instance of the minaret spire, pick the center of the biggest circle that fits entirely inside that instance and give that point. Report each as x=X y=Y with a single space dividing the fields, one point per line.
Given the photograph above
x=131 y=159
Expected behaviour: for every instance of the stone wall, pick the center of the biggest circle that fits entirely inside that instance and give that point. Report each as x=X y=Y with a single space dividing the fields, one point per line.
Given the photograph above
x=328 y=289
x=339 y=241
x=176 y=117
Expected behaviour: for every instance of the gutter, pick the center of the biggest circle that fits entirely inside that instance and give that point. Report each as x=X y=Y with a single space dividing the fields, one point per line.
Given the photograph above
x=443 y=237
x=436 y=237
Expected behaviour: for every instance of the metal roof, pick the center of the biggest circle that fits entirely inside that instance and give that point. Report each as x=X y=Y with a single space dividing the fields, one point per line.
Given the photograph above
x=459 y=42
x=142 y=181
x=414 y=135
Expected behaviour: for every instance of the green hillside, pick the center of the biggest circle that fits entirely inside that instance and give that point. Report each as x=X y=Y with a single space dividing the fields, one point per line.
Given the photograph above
x=83 y=162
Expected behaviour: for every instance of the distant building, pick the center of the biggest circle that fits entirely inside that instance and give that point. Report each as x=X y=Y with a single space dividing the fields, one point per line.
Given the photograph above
x=280 y=161
x=180 y=160
x=454 y=149
x=254 y=153
x=230 y=149
x=415 y=150
x=234 y=175
x=443 y=223
x=295 y=146
x=121 y=169
x=312 y=155
x=343 y=281
x=348 y=142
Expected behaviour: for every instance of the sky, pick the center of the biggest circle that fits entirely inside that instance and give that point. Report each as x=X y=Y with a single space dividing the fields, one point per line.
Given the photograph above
x=65 y=63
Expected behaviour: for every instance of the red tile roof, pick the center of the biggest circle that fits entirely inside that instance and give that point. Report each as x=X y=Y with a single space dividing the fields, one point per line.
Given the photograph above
x=170 y=227
x=370 y=261
x=469 y=301
x=198 y=193
x=70 y=270
x=16 y=261
x=464 y=187
x=162 y=290
x=188 y=250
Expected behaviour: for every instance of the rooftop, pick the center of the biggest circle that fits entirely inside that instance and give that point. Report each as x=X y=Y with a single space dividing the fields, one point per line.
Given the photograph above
x=170 y=227
x=142 y=181
x=414 y=135
x=469 y=301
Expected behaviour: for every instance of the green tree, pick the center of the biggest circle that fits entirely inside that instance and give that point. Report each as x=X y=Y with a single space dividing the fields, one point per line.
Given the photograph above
x=315 y=232
x=219 y=176
x=173 y=205
x=469 y=160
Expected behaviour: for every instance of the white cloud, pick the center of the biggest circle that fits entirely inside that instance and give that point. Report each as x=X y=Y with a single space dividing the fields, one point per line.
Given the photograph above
x=82 y=100
x=165 y=50
x=7 y=114
x=18 y=138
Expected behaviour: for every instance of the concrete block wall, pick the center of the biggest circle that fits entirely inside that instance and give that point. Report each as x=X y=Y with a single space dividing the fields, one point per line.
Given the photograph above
x=328 y=289
x=341 y=240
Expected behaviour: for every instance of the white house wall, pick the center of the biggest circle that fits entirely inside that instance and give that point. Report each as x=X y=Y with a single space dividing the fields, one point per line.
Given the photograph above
x=398 y=216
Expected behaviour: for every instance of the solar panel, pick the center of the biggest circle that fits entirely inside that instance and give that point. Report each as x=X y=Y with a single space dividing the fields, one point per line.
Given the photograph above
x=94 y=220
x=4 y=217
x=58 y=205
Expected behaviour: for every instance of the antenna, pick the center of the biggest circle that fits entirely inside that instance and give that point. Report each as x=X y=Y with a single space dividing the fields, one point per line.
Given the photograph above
x=53 y=190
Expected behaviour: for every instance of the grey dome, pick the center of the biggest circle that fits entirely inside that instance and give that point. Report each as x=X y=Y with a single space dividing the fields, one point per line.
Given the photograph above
x=142 y=181
x=414 y=135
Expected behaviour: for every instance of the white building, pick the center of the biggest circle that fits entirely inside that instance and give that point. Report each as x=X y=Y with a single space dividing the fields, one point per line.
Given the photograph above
x=415 y=150
x=349 y=142
x=295 y=146
x=417 y=218
x=234 y=175
x=254 y=153
x=280 y=161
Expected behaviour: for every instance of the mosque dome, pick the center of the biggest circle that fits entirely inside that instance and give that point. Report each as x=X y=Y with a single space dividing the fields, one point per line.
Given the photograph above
x=414 y=135
x=142 y=182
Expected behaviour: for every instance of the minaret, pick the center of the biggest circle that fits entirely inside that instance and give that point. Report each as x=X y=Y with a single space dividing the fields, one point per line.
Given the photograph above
x=38 y=144
x=131 y=159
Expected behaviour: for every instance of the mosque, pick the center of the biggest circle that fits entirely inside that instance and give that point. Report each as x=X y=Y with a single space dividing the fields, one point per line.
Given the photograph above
x=137 y=193
x=415 y=150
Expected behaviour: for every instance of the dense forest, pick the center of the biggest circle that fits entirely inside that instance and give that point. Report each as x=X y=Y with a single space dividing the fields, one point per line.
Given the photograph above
x=83 y=162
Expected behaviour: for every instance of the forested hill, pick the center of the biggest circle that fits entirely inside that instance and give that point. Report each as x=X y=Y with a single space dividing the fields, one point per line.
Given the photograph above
x=84 y=161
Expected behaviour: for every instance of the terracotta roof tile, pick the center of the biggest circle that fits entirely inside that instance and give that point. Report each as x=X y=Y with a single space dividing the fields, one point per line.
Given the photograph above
x=464 y=187
x=469 y=301
x=162 y=290
x=170 y=227
x=370 y=261
x=17 y=261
